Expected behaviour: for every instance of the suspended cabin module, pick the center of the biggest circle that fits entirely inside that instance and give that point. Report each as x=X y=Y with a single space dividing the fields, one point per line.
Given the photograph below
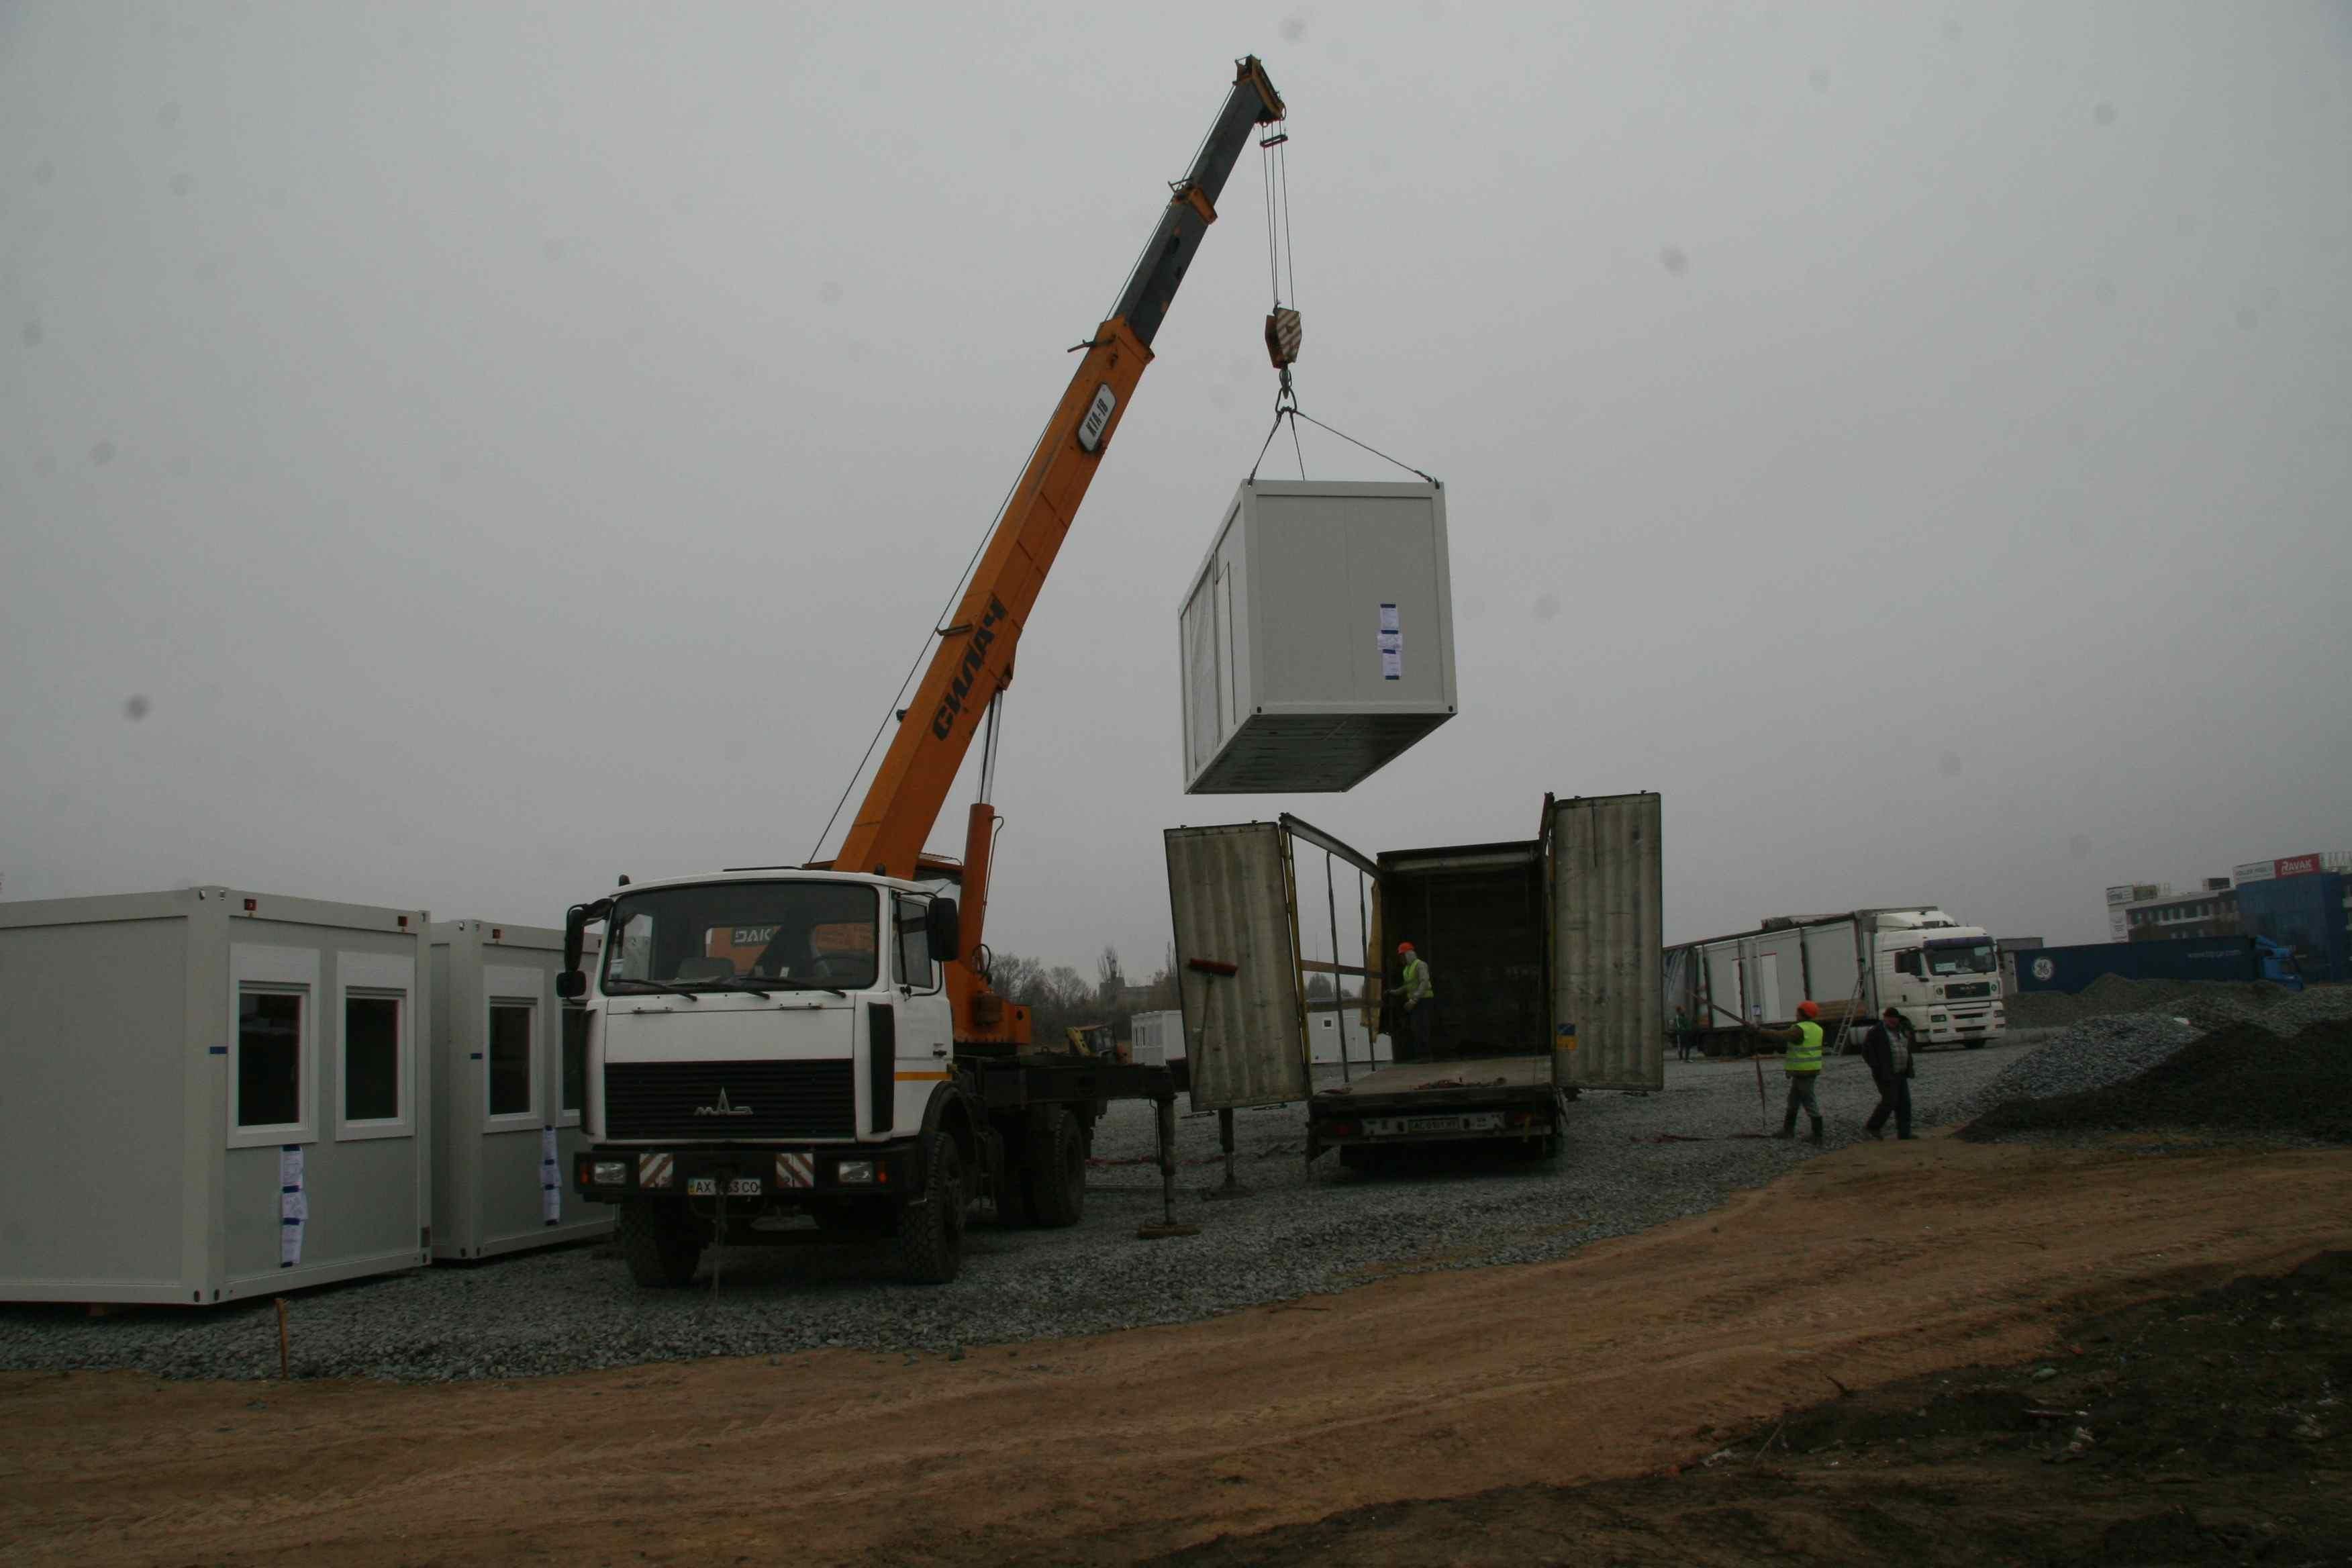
x=1318 y=639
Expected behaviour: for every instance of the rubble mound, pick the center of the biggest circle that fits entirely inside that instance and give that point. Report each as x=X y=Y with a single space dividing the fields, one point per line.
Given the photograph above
x=2240 y=1078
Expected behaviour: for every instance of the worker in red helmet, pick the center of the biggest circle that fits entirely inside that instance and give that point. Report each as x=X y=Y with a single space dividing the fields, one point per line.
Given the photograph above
x=1420 y=999
x=1802 y=1065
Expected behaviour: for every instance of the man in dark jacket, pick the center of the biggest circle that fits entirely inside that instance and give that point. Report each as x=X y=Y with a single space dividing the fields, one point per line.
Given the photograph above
x=1887 y=1052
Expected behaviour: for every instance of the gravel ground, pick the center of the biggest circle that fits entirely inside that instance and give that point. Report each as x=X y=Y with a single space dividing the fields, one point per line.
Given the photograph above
x=1296 y=1231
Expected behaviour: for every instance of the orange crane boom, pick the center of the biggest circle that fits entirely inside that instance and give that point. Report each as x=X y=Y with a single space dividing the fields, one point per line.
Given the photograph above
x=974 y=661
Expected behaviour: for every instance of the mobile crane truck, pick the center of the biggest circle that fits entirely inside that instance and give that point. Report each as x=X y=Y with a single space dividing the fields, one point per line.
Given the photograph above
x=768 y=1043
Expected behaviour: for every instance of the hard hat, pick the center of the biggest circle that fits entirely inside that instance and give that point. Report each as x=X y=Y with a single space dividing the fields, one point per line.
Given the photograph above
x=1809 y=1009
x=1404 y=947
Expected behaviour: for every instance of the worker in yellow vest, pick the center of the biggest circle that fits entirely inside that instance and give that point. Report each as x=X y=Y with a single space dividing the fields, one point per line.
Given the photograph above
x=1802 y=1065
x=1420 y=999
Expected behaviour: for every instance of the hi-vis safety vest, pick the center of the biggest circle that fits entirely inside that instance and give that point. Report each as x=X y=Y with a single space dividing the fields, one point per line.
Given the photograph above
x=1417 y=987
x=1805 y=1052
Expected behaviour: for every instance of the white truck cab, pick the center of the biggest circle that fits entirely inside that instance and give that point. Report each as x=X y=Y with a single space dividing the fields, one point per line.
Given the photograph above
x=1944 y=978
x=756 y=1005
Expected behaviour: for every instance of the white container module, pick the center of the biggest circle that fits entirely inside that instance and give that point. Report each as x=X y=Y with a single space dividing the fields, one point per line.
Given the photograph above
x=1330 y=1034
x=511 y=1076
x=1157 y=1039
x=1318 y=637
x=209 y=1094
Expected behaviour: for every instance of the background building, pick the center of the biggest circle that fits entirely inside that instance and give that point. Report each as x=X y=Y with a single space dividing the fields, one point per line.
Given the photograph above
x=2211 y=911
x=2310 y=912
x=2123 y=894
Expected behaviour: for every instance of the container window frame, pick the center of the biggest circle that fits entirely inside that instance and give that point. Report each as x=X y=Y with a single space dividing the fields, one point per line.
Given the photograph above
x=376 y=976
x=514 y=987
x=279 y=971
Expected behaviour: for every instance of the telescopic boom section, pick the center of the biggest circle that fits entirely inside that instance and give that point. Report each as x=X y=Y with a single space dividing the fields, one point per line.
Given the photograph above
x=974 y=658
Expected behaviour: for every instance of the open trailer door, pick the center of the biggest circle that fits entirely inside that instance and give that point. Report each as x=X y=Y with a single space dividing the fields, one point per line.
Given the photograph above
x=1230 y=891
x=1603 y=870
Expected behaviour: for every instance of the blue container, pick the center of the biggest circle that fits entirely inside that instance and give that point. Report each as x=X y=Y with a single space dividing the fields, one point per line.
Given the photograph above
x=2308 y=914
x=2069 y=969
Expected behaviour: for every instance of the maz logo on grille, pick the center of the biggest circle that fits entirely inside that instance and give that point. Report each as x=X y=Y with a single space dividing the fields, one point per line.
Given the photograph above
x=722 y=1108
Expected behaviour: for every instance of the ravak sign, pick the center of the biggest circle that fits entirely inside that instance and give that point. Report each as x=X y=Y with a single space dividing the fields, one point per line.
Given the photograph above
x=975 y=653
x=1097 y=420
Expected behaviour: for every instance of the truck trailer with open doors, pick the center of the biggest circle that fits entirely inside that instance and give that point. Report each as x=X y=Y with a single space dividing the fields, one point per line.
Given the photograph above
x=1544 y=952
x=771 y=1045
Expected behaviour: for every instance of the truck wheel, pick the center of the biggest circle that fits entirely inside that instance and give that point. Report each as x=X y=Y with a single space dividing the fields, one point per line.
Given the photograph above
x=930 y=1231
x=1057 y=1171
x=660 y=1244
x=1360 y=1157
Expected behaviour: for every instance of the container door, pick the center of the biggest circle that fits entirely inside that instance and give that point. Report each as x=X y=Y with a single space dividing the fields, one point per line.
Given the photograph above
x=1229 y=890
x=1603 y=871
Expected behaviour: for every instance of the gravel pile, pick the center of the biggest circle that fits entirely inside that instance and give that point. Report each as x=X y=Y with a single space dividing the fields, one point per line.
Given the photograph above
x=2208 y=1002
x=2240 y=1078
x=2092 y=1055
x=1296 y=1231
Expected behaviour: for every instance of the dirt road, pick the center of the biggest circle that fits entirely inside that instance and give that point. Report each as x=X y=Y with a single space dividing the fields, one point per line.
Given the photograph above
x=1869 y=1266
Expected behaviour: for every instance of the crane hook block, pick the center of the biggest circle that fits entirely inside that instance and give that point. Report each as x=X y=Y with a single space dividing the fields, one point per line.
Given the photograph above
x=1283 y=337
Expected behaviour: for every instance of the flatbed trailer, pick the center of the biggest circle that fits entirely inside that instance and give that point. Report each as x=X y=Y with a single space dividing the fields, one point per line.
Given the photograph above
x=1487 y=1097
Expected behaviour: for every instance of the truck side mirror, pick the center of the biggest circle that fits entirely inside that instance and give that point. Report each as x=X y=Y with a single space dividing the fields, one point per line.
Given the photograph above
x=575 y=936
x=571 y=985
x=945 y=925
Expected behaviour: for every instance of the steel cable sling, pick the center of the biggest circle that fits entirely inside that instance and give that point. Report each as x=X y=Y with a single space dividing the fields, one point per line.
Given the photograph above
x=1284 y=334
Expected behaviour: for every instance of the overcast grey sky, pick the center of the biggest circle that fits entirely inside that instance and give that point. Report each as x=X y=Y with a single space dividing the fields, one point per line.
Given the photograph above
x=501 y=447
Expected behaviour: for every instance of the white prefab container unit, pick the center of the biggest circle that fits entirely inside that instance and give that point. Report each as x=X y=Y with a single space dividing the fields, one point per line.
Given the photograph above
x=511 y=1076
x=1318 y=637
x=1330 y=1034
x=210 y=1094
x=1157 y=1039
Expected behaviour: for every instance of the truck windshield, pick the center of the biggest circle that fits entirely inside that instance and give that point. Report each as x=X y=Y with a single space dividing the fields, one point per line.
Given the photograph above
x=1961 y=958
x=715 y=935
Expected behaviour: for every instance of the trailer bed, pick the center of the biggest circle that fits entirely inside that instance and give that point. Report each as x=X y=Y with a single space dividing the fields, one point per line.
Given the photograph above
x=1478 y=1098
x=1474 y=1077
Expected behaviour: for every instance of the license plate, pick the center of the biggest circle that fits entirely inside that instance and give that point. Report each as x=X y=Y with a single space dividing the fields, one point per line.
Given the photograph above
x=737 y=1186
x=1401 y=1126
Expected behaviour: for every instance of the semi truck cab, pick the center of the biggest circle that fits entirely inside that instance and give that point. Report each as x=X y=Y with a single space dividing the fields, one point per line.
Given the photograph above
x=770 y=1039
x=1945 y=979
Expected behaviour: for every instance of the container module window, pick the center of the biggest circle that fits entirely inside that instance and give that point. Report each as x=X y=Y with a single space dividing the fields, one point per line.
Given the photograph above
x=371 y=1059
x=268 y=1058
x=575 y=1058
x=510 y=1058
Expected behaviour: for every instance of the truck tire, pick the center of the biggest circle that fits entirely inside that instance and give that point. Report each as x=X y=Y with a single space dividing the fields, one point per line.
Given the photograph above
x=660 y=1244
x=929 y=1241
x=1359 y=1157
x=1056 y=1171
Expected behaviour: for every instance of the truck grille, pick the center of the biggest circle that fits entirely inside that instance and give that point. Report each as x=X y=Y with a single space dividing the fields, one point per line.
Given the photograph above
x=1981 y=988
x=763 y=1100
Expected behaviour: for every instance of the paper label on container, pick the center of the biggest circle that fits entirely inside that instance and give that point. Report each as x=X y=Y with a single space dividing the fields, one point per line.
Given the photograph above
x=293 y=1206
x=550 y=1192
x=1391 y=644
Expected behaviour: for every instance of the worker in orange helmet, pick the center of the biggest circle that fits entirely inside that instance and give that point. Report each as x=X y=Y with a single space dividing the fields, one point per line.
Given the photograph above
x=1803 y=1064
x=1420 y=999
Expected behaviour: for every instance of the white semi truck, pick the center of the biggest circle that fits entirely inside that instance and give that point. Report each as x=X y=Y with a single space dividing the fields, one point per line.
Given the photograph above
x=1943 y=976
